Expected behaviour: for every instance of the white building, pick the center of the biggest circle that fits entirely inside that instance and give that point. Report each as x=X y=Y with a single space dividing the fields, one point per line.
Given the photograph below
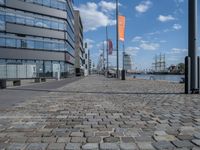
x=127 y=62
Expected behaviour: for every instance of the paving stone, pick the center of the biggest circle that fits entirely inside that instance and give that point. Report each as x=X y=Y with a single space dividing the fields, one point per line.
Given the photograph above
x=56 y=146
x=163 y=145
x=34 y=140
x=63 y=140
x=185 y=137
x=145 y=146
x=144 y=139
x=102 y=134
x=164 y=138
x=73 y=146
x=109 y=146
x=78 y=140
x=196 y=142
x=76 y=134
x=17 y=146
x=37 y=146
x=49 y=139
x=128 y=146
x=197 y=135
x=111 y=139
x=127 y=139
x=94 y=139
x=91 y=146
x=182 y=144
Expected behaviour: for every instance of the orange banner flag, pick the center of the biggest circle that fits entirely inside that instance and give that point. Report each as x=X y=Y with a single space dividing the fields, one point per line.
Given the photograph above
x=121 y=27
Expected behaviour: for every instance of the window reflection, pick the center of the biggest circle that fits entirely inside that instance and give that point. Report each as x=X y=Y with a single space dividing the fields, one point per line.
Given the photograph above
x=10 y=42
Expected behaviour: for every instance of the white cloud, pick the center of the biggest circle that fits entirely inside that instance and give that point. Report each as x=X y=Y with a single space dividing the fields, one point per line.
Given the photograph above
x=132 y=50
x=143 y=6
x=136 y=39
x=107 y=6
x=177 y=26
x=163 y=18
x=93 y=18
x=177 y=51
x=149 y=45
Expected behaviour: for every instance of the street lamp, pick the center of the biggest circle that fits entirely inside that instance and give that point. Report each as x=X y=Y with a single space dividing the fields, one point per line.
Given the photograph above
x=117 y=37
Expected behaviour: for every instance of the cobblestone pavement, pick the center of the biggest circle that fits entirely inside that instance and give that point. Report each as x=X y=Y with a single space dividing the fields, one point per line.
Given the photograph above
x=107 y=114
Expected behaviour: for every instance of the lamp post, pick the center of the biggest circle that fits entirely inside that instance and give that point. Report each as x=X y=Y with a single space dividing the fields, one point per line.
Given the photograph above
x=107 y=67
x=192 y=44
x=117 y=37
x=123 y=67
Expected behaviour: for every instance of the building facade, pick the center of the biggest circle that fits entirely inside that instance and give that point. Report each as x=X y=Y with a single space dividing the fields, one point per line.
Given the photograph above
x=38 y=33
x=79 y=49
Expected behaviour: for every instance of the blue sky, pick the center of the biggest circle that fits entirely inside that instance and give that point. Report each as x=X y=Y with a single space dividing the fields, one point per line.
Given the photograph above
x=152 y=27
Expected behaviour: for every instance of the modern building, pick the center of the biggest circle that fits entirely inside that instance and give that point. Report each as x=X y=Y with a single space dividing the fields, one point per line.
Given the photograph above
x=127 y=62
x=100 y=64
x=79 y=49
x=86 y=60
x=38 y=33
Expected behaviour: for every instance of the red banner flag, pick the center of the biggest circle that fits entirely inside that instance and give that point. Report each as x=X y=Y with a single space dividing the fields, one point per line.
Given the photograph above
x=110 y=47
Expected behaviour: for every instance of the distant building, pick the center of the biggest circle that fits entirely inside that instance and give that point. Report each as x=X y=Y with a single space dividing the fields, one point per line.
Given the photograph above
x=89 y=63
x=127 y=62
x=86 y=60
x=100 y=64
x=79 y=49
x=39 y=33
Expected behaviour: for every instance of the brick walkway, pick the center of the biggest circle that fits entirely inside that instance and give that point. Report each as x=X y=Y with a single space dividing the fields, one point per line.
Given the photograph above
x=107 y=114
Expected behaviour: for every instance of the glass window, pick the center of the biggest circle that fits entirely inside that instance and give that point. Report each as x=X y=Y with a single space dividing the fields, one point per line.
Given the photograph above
x=18 y=43
x=46 y=24
x=2 y=42
x=46 y=2
x=39 y=45
x=38 y=1
x=54 y=25
x=61 y=5
x=54 y=4
x=55 y=46
x=48 y=68
x=23 y=44
x=47 y=46
x=62 y=46
x=38 y=22
x=61 y=26
x=30 y=44
x=10 y=42
x=2 y=2
x=30 y=1
x=30 y=21
x=10 y=17
x=20 y=19
x=2 y=22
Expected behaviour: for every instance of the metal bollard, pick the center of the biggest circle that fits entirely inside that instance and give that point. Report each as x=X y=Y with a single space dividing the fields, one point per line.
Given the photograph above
x=123 y=75
x=187 y=75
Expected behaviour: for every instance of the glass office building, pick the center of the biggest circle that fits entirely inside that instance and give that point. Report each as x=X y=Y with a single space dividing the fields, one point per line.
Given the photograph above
x=38 y=33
